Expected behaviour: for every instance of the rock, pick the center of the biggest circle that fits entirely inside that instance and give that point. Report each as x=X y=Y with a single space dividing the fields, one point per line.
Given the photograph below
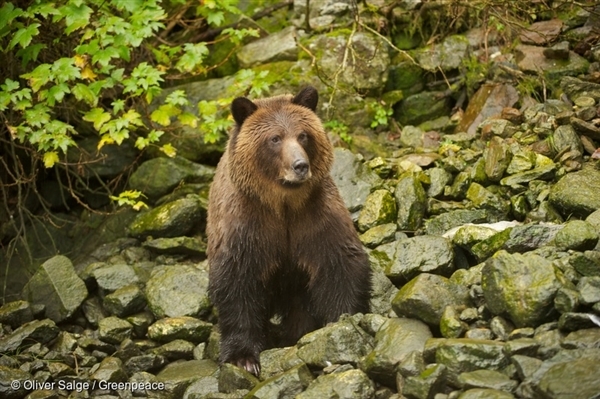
x=530 y=237
x=378 y=235
x=37 y=331
x=366 y=69
x=447 y=55
x=497 y=157
x=187 y=328
x=570 y=376
x=114 y=330
x=450 y=324
x=539 y=173
x=575 y=193
x=542 y=32
x=285 y=385
x=487 y=379
x=421 y=107
x=323 y=13
x=577 y=235
x=350 y=384
x=204 y=387
x=470 y=235
x=412 y=202
x=426 y=296
x=564 y=137
x=586 y=128
x=379 y=208
x=110 y=370
x=382 y=292
x=559 y=51
x=394 y=341
x=113 y=277
x=589 y=290
x=172 y=219
x=487 y=102
x=159 y=176
x=352 y=178
x=176 y=245
x=232 y=378
x=574 y=87
x=338 y=343
x=178 y=290
x=175 y=350
x=532 y=59
x=462 y=355
x=583 y=339
x=420 y=254
x=280 y=46
x=277 y=360
x=125 y=301
x=425 y=385
x=177 y=377
x=149 y=362
x=57 y=286
x=16 y=313
x=525 y=365
x=12 y=383
x=440 y=178
x=477 y=393
x=438 y=225
x=483 y=198
x=521 y=286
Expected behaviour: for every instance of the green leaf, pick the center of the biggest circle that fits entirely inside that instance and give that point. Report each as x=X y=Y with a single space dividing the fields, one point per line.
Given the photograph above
x=97 y=116
x=4 y=100
x=104 y=56
x=39 y=76
x=9 y=85
x=50 y=158
x=177 y=97
x=30 y=53
x=38 y=115
x=118 y=105
x=168 y=150
x=83 y=92
x=129 y=5
x=64 y=69
x=57 y=93
x=8 y=13
x=215 y=18
x=23 y=36
x=192 y=58
x=76 y=16
x=188 y=119
x=164 y=113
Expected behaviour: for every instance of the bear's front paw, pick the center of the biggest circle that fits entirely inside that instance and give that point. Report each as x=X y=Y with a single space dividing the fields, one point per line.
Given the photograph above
x=249 y=364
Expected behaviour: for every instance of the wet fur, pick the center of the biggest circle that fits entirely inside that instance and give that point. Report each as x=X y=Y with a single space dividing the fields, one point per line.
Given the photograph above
x=278 y=248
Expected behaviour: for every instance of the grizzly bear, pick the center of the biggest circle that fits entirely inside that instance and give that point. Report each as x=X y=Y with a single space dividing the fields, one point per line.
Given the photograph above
x=281 y=243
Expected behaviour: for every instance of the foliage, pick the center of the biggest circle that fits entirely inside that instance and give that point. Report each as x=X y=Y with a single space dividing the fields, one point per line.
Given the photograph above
x=381 y=114
x=80 y=69
x=340 y=129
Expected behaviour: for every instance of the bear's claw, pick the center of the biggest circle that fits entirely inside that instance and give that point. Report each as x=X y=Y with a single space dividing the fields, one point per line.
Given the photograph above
x=249 y=364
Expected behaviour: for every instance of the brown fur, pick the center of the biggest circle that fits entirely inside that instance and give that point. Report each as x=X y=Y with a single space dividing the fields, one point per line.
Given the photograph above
x=280 y=240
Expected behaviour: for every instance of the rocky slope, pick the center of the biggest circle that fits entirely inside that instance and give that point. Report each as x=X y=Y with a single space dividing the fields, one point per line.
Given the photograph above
x=482 y=229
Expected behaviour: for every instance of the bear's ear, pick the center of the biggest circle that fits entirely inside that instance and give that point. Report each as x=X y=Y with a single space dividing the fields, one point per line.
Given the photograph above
x=308 y=97
x=241 y=108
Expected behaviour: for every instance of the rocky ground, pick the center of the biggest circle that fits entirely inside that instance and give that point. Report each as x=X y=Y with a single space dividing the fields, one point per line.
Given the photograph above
x=482 y=229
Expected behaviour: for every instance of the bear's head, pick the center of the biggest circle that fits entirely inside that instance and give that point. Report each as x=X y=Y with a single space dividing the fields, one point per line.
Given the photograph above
x=279 y=145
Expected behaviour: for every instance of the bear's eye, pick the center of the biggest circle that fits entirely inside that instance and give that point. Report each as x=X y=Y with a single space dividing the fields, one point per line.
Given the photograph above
x=275 y=139
x=303 y=136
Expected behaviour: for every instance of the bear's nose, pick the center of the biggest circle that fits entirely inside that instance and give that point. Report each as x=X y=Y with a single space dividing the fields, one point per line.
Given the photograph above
x=300 y=167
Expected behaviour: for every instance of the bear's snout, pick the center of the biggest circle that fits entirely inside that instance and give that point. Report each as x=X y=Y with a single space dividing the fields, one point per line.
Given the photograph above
x=300 y=167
